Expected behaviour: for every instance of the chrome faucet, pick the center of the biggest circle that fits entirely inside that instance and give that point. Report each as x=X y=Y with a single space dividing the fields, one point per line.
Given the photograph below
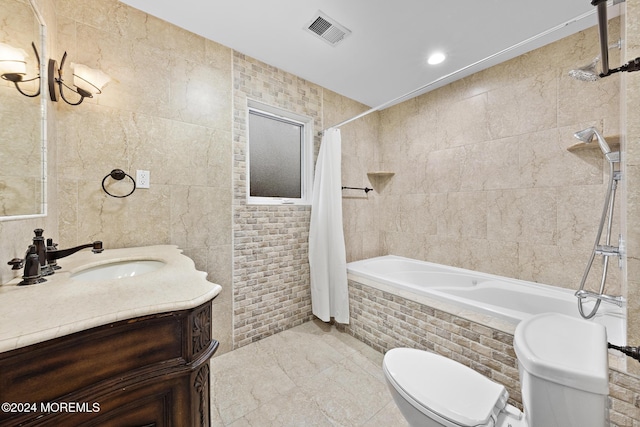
x=617 y=300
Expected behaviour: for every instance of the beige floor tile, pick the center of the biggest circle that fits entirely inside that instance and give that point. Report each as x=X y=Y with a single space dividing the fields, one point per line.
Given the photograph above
x=296 y=409
x=347 y=393
x=388 y=416
x=243 y=380
x=300 y=355
x=310 y=375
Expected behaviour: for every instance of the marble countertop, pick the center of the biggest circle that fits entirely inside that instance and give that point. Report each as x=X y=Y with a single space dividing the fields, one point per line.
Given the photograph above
x=62 y=305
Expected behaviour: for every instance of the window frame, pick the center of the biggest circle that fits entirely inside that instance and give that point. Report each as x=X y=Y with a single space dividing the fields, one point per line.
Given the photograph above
x=306 y=154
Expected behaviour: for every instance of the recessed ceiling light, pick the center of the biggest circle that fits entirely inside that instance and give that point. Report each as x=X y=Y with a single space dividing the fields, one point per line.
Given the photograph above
x=436 y=58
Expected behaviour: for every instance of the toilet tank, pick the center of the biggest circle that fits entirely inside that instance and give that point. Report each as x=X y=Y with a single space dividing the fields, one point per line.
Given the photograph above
x=564 y=371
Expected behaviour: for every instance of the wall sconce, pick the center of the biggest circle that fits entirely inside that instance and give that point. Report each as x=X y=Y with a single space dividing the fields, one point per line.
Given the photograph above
x=87 y=81
x=13 y=66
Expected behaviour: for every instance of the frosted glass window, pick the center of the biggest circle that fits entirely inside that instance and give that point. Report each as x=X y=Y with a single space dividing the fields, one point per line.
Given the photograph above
x=278 y=157
x=275 y=156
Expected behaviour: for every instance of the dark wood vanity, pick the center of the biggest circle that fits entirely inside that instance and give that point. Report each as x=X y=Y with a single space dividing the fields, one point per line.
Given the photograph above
x=147 y=371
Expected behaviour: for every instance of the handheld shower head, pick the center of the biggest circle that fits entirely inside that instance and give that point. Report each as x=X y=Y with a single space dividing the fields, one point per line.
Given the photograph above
x=587 y=135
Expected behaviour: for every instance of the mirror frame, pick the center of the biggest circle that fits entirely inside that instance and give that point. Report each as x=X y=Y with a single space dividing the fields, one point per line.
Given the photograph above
x=43 y=120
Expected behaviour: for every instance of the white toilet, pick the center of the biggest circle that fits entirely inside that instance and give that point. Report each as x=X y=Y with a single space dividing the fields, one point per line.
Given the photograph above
x=563 y=373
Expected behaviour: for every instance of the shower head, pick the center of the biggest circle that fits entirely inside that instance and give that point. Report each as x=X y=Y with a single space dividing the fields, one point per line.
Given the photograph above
x=587 y=135
x=588 y=73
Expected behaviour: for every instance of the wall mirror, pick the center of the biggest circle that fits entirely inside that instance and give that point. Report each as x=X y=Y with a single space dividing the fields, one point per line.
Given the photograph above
x=23 y=118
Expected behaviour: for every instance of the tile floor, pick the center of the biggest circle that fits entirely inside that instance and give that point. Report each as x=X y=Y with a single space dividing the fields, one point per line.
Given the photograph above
x=310 y=375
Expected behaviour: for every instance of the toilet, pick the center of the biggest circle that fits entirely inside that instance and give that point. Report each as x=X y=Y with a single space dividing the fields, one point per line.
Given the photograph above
x=563 y=369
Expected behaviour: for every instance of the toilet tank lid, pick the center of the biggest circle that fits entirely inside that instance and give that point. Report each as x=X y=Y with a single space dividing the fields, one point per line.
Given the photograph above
x=564 y=350
x=445 y=387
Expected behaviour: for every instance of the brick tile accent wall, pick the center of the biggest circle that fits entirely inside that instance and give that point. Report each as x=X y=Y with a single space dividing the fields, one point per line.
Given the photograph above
x=384 y=321
x=271 y=284
x=624 y=397
x=271 y=271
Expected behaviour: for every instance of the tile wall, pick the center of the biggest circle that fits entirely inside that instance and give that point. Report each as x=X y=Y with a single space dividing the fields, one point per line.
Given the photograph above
x=484 y=179
x=360 y=155
x=271 y=271
x=167 y=110
x=271 y=284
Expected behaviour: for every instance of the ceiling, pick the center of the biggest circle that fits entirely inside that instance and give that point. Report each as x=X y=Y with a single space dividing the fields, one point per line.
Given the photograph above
x=385 y=56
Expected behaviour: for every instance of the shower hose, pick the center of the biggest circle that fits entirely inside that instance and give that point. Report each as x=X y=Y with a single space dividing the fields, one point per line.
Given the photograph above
x=607 y=215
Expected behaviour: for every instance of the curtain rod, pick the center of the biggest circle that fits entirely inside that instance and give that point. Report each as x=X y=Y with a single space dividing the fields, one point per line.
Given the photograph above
x=465 y=68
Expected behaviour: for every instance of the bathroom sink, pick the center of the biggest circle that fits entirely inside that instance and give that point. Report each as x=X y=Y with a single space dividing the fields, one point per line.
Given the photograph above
x=118 y=270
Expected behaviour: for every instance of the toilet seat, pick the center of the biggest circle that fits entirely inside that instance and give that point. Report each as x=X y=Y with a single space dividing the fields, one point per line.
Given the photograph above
x=436 y=385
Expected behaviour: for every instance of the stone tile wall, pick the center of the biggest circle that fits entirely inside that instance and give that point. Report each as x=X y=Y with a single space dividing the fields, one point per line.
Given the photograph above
x=271 y=272
x=483 y=177
x=167 y=110
x=360 y=149
x=271 y=282
x=385 y=321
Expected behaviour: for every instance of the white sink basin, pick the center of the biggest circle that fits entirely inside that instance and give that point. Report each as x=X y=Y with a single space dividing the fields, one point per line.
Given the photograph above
x=118 y=270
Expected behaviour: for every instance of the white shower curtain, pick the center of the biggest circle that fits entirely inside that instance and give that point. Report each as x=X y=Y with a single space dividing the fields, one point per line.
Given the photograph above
x=327 y=255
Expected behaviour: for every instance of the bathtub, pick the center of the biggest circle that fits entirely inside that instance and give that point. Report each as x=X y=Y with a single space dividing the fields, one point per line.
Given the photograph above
x=508 y=300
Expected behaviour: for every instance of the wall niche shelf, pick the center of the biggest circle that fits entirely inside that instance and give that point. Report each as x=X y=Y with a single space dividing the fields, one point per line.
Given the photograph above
x=381 y=174
x=613 y=141
x=379 y=179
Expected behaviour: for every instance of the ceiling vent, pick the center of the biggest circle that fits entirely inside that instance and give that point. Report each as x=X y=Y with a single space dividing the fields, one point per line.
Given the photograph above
x=327 y=29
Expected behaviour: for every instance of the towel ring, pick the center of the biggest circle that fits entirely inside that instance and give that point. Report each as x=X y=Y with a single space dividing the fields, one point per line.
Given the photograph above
x=118 y=175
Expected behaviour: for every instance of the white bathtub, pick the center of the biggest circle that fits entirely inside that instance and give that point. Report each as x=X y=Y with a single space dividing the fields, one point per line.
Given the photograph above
x=510 y=300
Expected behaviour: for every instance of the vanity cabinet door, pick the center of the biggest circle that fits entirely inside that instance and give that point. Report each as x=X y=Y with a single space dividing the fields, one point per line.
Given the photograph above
x=159 y=404
x=152 y=370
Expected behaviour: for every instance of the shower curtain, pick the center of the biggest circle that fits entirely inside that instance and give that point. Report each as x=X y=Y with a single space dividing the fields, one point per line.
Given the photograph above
x=327 y=255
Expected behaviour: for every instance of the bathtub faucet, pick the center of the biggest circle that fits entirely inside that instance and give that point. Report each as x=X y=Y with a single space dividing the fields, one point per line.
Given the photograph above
x=619 y=301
